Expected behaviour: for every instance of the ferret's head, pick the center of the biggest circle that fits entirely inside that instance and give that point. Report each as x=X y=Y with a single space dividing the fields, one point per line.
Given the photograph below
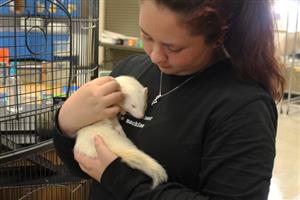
x=135 y=96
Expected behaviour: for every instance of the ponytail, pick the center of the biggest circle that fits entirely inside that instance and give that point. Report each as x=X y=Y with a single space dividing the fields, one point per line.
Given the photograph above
x=250 y=43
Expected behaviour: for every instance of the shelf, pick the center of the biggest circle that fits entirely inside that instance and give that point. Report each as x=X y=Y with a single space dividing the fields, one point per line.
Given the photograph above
x=121 y=47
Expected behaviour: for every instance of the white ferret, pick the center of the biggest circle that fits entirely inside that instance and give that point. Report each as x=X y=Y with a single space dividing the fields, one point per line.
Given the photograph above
x=135 y=97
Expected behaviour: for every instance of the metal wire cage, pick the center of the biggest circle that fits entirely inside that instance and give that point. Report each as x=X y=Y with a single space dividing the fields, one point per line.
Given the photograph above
x=48 y=49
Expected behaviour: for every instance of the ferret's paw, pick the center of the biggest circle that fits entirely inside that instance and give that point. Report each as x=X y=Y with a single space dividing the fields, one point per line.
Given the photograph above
x=159 y=176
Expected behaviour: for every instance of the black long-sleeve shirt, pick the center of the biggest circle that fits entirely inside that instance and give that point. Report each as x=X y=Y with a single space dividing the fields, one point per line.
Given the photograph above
x=214 y=135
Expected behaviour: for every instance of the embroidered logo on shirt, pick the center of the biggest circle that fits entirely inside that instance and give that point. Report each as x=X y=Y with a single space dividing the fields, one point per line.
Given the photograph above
x=136 y=122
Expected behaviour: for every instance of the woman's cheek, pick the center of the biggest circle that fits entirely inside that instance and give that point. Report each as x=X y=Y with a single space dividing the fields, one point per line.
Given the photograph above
x=147 y=47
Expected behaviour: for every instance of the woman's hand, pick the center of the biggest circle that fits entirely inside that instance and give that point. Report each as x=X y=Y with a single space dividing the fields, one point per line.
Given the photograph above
x=95 y=167
x=92 y=102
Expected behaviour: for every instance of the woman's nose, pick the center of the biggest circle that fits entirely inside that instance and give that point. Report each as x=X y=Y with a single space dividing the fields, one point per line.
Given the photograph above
x=158 y=55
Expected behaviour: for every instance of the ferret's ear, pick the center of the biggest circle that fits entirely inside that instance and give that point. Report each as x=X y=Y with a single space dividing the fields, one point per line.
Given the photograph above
x=145 y=91
x=125 y=95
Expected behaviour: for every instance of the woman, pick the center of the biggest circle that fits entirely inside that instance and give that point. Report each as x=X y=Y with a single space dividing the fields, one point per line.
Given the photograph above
x=211 y=118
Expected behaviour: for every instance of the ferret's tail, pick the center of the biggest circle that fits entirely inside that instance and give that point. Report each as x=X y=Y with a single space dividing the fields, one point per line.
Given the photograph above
x=141 y=161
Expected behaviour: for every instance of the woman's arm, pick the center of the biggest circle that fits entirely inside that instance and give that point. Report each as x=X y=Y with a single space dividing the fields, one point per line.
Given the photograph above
x=93 y=102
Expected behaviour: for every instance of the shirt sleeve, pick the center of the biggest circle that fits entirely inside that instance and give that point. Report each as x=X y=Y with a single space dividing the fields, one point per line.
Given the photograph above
x=237 y=162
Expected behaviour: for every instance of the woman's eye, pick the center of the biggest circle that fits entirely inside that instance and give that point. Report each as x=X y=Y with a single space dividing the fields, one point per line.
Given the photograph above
x=146 y=37
x=133 y=106
x=175 y=50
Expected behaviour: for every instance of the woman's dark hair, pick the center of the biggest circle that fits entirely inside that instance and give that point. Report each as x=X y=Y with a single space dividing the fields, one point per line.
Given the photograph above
x=246 y=30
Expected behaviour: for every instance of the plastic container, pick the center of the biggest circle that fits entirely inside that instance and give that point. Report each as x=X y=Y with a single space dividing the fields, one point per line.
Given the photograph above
x=13 y=91
x=2 y=74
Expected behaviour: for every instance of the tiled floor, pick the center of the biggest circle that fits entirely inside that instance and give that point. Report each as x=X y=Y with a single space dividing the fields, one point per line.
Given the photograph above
x=286 y=180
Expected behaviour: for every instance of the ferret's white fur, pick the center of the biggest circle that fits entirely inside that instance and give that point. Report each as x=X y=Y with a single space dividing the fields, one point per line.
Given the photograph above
x=135 y=96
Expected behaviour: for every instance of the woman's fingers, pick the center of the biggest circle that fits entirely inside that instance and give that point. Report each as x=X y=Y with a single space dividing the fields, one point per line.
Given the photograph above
x=109 y=87
x=102 y=80
x=95 y=166
x=112 y=111
x=112 y=98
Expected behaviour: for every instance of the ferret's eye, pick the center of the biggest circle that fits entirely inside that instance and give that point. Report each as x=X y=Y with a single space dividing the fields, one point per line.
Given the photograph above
x=133 y=106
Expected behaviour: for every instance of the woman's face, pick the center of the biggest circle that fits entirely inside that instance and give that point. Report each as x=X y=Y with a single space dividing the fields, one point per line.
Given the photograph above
x=169 y=43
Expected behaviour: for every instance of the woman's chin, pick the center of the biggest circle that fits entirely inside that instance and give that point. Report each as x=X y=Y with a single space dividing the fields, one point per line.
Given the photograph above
x=166 y=69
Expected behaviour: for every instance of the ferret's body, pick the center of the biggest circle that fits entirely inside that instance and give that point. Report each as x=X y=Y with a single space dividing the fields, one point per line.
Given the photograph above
x=112 y=133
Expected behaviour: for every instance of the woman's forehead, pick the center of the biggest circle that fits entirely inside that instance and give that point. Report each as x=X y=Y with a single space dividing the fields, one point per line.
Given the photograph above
x=155 y=21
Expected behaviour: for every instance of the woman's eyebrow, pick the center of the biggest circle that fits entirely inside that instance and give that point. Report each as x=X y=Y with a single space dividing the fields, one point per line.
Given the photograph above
x=166 y=44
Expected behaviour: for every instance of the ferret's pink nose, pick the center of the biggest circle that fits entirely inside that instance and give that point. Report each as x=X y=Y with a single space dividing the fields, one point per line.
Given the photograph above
x=141 y=116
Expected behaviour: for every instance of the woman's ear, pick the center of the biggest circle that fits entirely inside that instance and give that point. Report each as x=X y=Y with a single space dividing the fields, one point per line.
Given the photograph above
x=220 y=41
